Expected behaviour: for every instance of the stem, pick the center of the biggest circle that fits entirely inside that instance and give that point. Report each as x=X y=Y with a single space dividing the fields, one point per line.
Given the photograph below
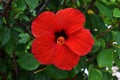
x=40 y=70
x=116 y=46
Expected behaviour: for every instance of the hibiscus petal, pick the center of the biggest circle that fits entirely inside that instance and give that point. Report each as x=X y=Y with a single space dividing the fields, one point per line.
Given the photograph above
x=70 y=19
x=43 y=49
x=65 y=59
x=80 y=42
x=44 y=24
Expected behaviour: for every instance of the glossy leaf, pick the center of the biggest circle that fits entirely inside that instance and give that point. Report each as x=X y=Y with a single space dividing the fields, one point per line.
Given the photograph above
x=16 y=17
x=56 y=73
x=105 y=58
x=28 y=62
x=20 y=5
x=95 y=74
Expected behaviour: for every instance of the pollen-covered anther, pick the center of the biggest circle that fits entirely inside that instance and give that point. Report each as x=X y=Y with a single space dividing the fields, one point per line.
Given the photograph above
x=60 y=40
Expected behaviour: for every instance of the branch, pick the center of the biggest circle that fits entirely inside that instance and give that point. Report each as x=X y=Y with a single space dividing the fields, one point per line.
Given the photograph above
x=64 y=3
x=41 y=9
x=0 y=53
x=3 y=76
x=15 y=65
x=91 y=3
x=43 y=6
x=73 y=1
x=25 y=26
x=103 y=33
x=6 y=9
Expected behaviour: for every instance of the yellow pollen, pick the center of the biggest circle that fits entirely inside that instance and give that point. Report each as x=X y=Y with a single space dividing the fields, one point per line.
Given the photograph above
x=90 y=11
x=60 y=40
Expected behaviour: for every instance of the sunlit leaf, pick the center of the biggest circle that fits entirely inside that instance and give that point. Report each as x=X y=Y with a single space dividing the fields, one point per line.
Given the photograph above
x=116 y=12
x=95 y=74
x=24 y=38
x=104 y=9
x=105 y=58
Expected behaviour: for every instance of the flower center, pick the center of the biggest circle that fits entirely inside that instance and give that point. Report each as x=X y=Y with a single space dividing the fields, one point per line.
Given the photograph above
x=60 y=37
x=60 y=40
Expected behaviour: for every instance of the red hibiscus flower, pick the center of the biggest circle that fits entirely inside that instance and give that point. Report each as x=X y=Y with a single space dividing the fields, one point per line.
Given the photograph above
x=60 y=39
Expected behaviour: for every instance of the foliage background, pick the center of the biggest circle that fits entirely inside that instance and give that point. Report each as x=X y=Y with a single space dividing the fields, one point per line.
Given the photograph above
x=16 y=60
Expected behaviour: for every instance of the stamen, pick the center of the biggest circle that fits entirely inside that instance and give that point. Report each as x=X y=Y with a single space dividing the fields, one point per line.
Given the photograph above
x=60 y=40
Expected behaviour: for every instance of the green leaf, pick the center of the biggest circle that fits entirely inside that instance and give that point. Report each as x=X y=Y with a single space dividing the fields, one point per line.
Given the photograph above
x=116 y=38
x=75 y=70
x=117 y=61
x=32 y=3
x=104 y=10
x=101 y=40
x=3 y=66
x=10 y=46
x=116 y=12
x=20 y=5
x=1 y=6
x=24 y=38
x=25 y=76
x=5 y=35
x=14 y=36
x=96 y=46
x=107 y=37
x=95 y=74
x=41 y=76
x=97 y=23
x=9 y=76
x=107 y=76
x=28 y=62
x=54 y=4
x=26 y=18
x=19 y=29
x=1 y=23
x=105 y=58
x=56 y=73
x=78 y=3
x=81 y=76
